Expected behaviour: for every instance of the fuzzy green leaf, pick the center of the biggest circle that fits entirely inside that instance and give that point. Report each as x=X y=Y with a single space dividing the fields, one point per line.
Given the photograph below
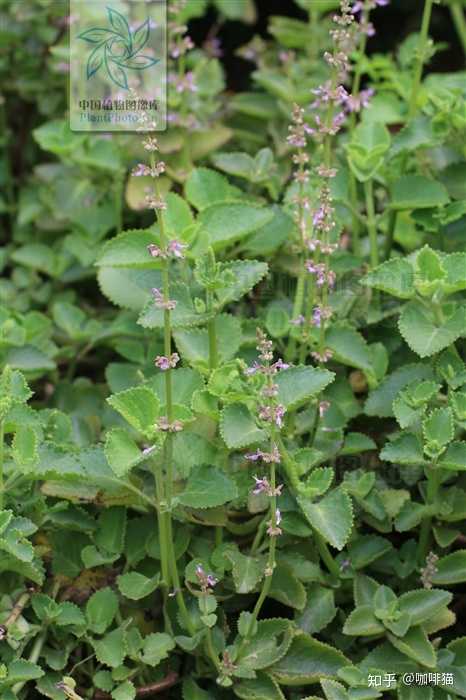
x=297 y=385
x=101 y=608
x=424 y=333
x=418 y=192
x=121 y=451
x=140 y=406
x=308 y=661
x=156 y=648
x=332 y=517
x=395 y=277
x=239 y=428
x=207 y=487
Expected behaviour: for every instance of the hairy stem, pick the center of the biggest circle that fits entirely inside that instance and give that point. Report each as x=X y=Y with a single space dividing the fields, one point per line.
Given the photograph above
x=459 y=21
x=433 y=483
x=423 y=39
x=371 y=223
x=213 y=347
x=2 y=485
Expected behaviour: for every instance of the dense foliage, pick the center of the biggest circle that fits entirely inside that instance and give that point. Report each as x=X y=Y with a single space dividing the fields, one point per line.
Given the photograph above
x=233 y=379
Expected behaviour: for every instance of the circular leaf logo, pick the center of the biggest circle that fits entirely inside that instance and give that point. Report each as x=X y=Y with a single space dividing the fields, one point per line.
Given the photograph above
x=117 y=48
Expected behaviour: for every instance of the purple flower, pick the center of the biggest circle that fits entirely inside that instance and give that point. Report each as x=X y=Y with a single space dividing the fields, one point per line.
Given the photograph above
x=176 y=248
x=206 y=581
x=165 y=363
x=160 y=302
x=279 y=413
x=140 y=170
x=262 y=486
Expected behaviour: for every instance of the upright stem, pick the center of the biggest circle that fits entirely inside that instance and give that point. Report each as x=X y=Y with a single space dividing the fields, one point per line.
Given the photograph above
x=424 y=36
x=212 y=330
x=433 y=483
x=459 y=21
x=33 y=658
x=353 y=187
x=371 y=223
x=166 y=517
x=2 y=485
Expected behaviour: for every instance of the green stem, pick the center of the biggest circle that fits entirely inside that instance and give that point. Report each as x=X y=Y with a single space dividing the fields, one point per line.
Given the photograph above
x=297 y=308
x=390 y=234
x=271 y=558
x=459 y=21
x=118 y=191
x=167 y=528
x=433 y=483
x=371 y=223
x=211 y=650
x=2 y=485
x=213 y=348
x=33 y=658
x=353 y=188
x=325 y=555
x=424 y=36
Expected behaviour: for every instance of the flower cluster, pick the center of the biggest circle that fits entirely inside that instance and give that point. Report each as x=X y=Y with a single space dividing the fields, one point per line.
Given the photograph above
x=142 y=170
x=173 y=249
x=165 y=425
x=181 y=80
x=263 y=486
x=165 y=363
x=206 y=581
x=161 y=303
x=272 y=412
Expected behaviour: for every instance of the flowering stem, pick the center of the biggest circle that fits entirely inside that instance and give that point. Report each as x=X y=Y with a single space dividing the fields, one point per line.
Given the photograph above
x=272 y=546
x=2 y=486
x=166 y=534
x=371 y=223
x=433 y=483
x=457 y=14
x=424 y=36
x=213 y=348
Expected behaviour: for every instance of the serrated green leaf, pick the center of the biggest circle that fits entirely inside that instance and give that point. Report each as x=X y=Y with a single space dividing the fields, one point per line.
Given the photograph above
x=193 y=344
x=246 y=274
x=263 y=687
x=349 y=347
x=247 y=571
x=332 y=517
x=25 y=444
x=205 y=187
x=297 y=385
x=307 y=661
x=207 y=487
x=363 y=623
x=418 y=192
x=184 y=314
x=395 y=277
x=450 y=570
x=156 y=647
x=380 y=400
x=121 y=451
x=140 y=406
x=239 y=428
x=135 y=586
x=405 y=449
x=101 y=609
x=111 y=649
x=416 y=645
x=129 y=249
x=424 y=333
x=223 y=224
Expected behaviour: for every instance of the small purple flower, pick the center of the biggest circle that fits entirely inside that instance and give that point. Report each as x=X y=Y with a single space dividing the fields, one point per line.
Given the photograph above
x=262 y=486
x=140 y=170
x=279 y=365
x=279 y=413
x=298 y=321
x=155 y=251
x=165 y=363
x=317 y=316
x=160 y=302
x=206 y=581
x=176 y=248
x=249 y=371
